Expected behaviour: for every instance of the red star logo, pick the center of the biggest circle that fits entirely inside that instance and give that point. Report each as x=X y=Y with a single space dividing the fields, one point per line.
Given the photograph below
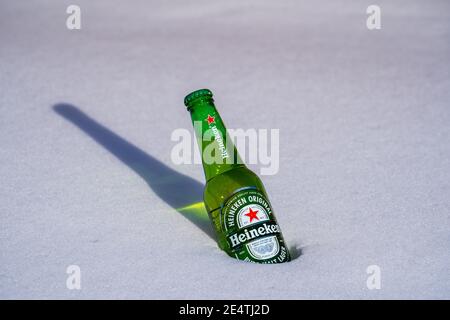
x=252 y=214
x=210 y=119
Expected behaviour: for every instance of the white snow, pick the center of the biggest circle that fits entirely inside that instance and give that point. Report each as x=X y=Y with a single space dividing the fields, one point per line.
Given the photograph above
x=364 y=121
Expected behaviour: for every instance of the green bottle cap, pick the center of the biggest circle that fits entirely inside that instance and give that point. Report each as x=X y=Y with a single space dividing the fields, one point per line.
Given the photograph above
x=197 y=94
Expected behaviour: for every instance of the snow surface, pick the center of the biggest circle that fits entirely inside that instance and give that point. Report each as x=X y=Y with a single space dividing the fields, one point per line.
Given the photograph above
x=86 y=118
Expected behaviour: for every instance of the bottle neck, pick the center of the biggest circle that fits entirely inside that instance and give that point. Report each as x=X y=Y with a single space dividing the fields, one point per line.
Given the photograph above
x=217 y=149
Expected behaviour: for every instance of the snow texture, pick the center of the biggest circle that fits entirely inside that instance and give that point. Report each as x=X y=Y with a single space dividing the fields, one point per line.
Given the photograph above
x=86 y=120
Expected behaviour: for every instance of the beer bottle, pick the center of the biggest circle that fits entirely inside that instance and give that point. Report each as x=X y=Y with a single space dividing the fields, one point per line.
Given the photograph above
x=234 y=196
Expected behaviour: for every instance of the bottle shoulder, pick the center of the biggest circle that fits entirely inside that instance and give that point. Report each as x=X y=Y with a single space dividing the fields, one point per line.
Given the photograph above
x=240 y=174
x=221 y=187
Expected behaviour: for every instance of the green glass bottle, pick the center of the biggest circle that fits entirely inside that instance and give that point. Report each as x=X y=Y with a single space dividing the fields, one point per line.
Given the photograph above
x=234 y=196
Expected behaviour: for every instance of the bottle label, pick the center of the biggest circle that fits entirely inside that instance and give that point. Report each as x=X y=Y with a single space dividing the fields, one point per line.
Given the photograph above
x=251 y=230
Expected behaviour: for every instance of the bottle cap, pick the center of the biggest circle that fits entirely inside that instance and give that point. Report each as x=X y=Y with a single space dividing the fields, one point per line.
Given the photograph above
x=197 y=94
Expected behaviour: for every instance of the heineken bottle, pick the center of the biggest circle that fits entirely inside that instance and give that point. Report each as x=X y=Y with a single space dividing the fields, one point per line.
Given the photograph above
x=234 y=196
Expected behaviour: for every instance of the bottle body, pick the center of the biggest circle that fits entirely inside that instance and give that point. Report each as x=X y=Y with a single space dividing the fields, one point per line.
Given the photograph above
x=243 y=217
x=234 y=196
